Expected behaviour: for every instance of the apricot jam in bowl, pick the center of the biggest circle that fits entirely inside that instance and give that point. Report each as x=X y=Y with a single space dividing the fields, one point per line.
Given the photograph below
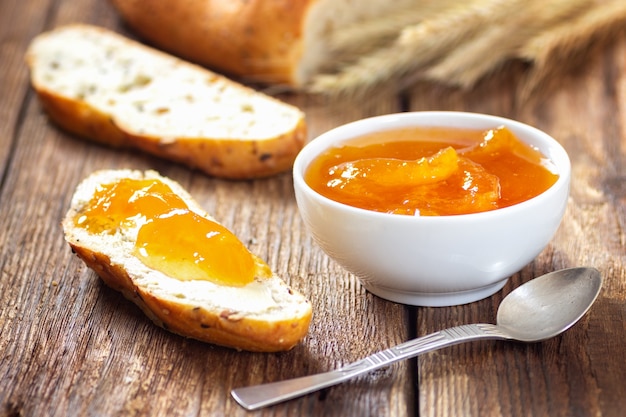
x=432 y=208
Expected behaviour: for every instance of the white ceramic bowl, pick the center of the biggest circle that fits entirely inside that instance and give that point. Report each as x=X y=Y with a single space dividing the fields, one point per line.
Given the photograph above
x=433 y=260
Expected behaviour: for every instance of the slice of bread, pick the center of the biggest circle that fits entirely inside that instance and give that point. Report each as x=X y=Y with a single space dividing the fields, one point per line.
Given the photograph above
x=264 y=315
x=105 y=87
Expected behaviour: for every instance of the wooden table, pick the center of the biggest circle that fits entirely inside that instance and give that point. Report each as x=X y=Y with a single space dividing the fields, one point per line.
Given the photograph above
x=71 y=346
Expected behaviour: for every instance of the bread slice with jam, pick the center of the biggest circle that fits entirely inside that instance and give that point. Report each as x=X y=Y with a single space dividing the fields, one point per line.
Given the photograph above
x=146 y=237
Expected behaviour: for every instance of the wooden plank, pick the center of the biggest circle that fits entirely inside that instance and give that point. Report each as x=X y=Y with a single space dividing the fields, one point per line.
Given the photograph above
x=13 y=84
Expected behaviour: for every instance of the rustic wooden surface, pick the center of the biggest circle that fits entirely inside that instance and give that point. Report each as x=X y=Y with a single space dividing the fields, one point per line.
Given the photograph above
x=71 y=346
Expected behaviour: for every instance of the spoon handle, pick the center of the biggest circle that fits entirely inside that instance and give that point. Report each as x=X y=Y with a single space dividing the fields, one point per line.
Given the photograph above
x=258 y=396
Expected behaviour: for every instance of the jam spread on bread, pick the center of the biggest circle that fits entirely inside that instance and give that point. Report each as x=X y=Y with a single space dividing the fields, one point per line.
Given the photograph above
x=171 y=238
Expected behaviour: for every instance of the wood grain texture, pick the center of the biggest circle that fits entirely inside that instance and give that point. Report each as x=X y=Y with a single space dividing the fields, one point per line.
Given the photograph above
x=70 y=346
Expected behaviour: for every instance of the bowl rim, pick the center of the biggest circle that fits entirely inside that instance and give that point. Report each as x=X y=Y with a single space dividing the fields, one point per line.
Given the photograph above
x=390 y=122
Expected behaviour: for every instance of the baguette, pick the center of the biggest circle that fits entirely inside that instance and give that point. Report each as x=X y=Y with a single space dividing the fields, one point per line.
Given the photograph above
x=263 y=315
x=102 y=86
x=276 y=42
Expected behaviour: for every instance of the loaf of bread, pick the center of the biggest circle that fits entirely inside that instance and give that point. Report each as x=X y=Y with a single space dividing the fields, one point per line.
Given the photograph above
x=105 y=87
x=225 y=303
x=279 y=42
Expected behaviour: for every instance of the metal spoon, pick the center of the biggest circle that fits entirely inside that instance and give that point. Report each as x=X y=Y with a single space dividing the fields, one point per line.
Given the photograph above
x=538 y=310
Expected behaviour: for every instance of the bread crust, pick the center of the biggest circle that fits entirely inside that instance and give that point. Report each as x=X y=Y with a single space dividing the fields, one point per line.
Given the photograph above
x=225 y=158
x=220 y=326
x=258 y=39
x=231 y=158
x=223 y=328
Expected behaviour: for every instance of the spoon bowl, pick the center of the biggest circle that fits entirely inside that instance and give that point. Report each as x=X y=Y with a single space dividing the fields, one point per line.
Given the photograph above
x=547 y=306
x=538 y=310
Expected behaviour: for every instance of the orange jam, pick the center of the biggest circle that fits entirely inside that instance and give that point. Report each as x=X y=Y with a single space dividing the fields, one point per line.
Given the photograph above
x=171 y=238
x=432 y=171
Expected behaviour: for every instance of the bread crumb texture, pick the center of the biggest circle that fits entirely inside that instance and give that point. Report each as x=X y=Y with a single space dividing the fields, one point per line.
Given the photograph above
x=151 y=92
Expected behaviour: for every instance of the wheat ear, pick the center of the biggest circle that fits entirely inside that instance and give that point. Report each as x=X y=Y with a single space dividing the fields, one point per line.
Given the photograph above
x=367 y=35
x=417 y=46
x=472 y=60
x=566 y=44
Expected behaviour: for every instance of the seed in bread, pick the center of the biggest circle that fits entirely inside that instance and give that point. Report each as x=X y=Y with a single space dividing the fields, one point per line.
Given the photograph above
x=105 y=87
x=147 y=238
